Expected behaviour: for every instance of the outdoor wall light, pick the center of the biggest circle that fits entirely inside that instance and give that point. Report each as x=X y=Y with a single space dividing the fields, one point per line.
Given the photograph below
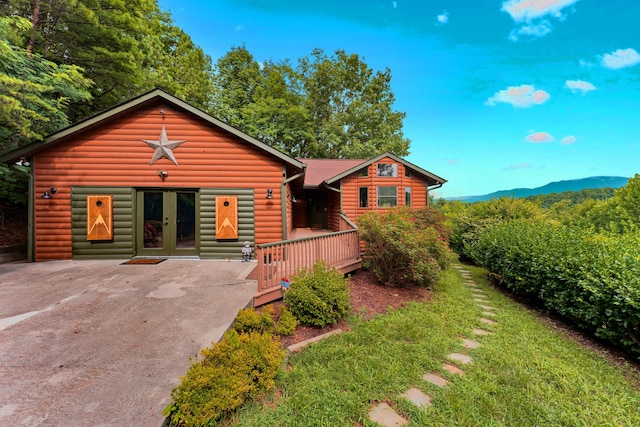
x=163 y=174
x=269 y=194
x=23 y=162
x=48 y=194
x=293 y=199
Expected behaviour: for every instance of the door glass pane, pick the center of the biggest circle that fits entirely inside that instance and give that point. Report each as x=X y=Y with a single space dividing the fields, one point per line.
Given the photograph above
x=186 y=220
x=153 y=216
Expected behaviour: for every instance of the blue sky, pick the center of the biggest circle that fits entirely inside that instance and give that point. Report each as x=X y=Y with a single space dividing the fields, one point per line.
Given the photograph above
x=498 y=94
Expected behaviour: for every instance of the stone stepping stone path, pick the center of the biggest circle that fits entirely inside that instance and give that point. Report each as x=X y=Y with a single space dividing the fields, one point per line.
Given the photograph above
x=383 y=414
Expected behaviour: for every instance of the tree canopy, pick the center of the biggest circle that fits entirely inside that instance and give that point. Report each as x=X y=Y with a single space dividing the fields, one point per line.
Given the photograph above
x=69 y=59
x=326 y=106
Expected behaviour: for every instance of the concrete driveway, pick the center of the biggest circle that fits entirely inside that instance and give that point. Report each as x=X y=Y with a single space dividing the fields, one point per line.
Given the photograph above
x=97 y=343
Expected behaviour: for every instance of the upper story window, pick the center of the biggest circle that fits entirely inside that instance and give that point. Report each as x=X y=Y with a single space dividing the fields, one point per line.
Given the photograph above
x=387 y=170
x=363 y=173
x=407 y=172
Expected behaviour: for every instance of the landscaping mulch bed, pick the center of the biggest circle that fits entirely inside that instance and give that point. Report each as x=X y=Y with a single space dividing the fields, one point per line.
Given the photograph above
x=368 y=298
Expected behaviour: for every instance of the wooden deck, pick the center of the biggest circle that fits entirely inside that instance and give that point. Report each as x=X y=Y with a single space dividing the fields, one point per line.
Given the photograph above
x=280 y=260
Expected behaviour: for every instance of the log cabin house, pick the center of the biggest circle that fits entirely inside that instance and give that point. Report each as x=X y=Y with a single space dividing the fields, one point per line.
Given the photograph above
x=157 y=177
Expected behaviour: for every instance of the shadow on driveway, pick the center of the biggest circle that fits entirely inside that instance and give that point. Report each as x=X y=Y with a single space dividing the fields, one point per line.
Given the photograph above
x=98 y=343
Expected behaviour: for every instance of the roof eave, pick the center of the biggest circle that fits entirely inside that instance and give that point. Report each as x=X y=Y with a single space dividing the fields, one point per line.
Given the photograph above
x=139 y=101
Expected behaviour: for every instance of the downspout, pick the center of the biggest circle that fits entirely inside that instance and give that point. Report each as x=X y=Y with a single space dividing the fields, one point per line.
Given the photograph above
x=30 y=210
x=283 y=198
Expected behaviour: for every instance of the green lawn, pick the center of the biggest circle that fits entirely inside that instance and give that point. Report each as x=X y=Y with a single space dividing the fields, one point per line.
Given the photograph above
x=523 y=374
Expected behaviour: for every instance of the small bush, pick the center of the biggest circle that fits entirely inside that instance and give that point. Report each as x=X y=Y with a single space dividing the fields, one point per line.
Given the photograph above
x=319 y=297
x=287 y=323
x=239 y=367
x=249 y=320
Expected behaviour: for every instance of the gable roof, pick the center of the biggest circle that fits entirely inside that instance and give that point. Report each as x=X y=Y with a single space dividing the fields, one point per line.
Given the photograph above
x=328 y=171
x=144 y=100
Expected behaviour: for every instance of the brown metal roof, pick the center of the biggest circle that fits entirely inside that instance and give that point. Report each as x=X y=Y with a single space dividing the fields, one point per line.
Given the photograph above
x=320 y=170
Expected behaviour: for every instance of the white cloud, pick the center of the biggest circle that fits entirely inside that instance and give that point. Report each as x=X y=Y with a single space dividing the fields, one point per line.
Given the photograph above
x=443 y=18
x=453 y=161
x=568 y=140
x=530 y=14
x=579 y=85
x=395 y=4
x=532 y=31
x=523 y=96
x=621 y=58
x=540 y=138
x=527 y=10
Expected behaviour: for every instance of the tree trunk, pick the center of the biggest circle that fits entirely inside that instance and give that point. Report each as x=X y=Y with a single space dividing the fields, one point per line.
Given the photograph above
x=34 y=27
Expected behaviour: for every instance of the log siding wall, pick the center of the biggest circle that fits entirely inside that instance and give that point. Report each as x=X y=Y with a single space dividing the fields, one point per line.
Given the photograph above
x=352 y=183
x=114 y=155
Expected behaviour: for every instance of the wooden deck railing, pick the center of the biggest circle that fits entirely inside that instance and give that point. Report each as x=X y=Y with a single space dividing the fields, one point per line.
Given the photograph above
x=283 y=259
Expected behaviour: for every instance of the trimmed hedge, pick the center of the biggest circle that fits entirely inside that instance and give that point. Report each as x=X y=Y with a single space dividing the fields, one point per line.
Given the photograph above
x=589 y=278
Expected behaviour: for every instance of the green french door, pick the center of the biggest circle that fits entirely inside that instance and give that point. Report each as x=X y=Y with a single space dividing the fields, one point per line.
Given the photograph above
x=167 y=223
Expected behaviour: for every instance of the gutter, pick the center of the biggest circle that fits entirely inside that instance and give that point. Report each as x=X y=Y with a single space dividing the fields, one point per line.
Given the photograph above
x=433 y=188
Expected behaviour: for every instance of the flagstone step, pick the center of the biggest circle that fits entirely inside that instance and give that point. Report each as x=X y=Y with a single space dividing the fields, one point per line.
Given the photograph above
x=417 y=397
x=452 y=369
x=462 y=358
x=481 y=332
x=435 y=379
x=488 y=321
x=384 y=415
x=470 y=343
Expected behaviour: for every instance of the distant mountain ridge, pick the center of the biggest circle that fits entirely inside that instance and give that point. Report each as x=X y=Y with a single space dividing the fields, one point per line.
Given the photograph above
x=552 y=187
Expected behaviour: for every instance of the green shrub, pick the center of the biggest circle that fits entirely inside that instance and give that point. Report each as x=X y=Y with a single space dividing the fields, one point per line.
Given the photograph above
x=468 y=221
x=403 y=249
x=249 y=320
x=287 y=323
x=239 y=367
x=319 y=297
x=589 y=278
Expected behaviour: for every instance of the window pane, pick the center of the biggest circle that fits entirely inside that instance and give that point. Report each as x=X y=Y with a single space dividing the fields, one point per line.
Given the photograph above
x=387 y=197
x=364 y=172
x=407 y=196
x=186 y=220
x=364 y=197
x=153 y=215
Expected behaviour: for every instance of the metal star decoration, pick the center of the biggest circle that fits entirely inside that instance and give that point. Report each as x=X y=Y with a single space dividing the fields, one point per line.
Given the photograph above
x=163 y=147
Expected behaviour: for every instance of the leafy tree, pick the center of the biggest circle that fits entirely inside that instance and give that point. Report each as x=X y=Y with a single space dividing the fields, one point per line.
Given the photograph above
x=34 y=92
x=351 y=107
x=125 y=48
x=333 y=107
